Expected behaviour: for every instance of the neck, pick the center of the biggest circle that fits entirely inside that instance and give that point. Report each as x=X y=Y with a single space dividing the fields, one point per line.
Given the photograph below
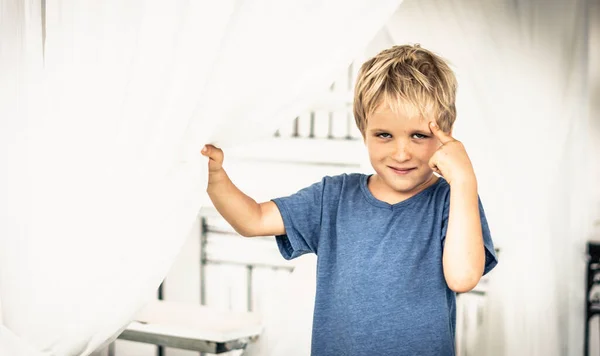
x=381 y=191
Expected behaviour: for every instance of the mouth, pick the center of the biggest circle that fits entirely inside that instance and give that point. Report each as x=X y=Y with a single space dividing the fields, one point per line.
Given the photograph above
x=402 y=171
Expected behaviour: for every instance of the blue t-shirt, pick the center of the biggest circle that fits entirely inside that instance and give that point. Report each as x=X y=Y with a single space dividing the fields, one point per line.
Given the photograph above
x=380 y=283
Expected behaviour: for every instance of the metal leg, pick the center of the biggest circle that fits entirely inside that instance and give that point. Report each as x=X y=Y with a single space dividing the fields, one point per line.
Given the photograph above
x=586 y=336
x=160 y=351
x=249 y=269
x=588 y=289
x=203 y=236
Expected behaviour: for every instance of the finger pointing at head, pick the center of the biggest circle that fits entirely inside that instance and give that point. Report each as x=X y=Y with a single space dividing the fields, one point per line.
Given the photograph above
x=441 y=135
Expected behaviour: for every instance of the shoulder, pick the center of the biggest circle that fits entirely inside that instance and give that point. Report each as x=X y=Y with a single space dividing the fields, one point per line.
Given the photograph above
x=335 y=187
x=341 y=183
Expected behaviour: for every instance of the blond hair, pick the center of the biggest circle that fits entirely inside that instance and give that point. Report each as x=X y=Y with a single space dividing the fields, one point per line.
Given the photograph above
x=406 y=75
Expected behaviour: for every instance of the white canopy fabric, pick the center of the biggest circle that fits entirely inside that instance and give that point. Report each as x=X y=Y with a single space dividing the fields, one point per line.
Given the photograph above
x=104 y=107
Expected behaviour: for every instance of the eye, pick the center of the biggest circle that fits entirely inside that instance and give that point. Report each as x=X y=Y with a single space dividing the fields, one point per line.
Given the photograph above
x=419 y=136
x=384 y=135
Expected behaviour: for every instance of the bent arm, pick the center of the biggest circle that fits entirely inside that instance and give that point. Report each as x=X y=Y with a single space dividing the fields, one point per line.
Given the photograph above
x=464 y=251
x=243 y=213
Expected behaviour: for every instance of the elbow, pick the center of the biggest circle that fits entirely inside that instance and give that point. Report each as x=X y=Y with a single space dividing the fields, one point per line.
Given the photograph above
x=249 y=230
x=462 y=285
x=245 y=233
x=463 y=274
x=463 y=282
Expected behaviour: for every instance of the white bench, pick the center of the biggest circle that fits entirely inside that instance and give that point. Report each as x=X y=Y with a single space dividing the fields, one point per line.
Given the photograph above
x=193 y=327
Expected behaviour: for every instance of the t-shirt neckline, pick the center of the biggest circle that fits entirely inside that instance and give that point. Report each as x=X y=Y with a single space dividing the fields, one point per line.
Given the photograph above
x=379 y=203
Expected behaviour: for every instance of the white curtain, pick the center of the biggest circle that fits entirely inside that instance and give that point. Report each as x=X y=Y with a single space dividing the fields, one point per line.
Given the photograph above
x=523 y=116
x=104 y=107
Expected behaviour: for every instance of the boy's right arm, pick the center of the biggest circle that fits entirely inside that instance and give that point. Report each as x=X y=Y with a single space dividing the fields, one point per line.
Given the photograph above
x=243 y=213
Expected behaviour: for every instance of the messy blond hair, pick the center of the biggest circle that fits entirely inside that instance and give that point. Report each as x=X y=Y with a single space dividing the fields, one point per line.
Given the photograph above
x=406 y=75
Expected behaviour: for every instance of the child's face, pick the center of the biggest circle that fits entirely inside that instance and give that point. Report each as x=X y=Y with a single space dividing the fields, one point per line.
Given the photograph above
x=400 y=145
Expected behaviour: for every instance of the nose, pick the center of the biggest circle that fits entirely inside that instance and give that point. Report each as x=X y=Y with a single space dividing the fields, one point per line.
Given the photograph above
x=402 y=151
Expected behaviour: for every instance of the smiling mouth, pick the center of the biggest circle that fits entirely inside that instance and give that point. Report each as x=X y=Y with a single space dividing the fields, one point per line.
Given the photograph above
x=402 y=170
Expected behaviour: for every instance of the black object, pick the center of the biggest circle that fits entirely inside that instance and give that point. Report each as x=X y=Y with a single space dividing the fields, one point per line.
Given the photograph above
x=592 y=300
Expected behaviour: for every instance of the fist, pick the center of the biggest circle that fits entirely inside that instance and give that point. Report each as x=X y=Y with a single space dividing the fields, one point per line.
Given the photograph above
x=451 y=160
x=215 y=158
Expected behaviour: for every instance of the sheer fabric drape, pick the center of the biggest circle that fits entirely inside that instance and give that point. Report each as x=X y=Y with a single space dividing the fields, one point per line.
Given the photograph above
x=104 y=108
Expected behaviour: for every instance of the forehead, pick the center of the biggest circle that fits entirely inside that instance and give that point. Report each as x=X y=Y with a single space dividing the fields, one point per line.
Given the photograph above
x=398 y=115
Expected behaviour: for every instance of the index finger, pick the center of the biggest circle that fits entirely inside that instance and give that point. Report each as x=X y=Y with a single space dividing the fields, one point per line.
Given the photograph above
x=441 y=135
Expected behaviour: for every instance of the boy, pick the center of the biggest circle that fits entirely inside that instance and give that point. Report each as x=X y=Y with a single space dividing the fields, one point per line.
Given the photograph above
x=393 y=247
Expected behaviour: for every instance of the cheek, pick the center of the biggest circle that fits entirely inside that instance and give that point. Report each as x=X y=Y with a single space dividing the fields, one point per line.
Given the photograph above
x=375 y=150
x=426 y=151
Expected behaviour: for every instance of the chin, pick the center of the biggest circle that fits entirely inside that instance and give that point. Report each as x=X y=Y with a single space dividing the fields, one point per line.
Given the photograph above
x=400 y=185
x=404 y=188
x=406 y=184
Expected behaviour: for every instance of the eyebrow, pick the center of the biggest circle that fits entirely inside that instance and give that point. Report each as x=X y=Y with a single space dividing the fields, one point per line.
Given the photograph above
x=420 y=131
x=423 y=132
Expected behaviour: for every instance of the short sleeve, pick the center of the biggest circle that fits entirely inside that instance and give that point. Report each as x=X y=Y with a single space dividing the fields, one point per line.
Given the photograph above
x=302 y=217
x=491 y=259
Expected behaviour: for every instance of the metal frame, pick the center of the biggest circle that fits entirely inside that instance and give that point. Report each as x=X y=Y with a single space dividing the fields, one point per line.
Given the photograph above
x=204 y=261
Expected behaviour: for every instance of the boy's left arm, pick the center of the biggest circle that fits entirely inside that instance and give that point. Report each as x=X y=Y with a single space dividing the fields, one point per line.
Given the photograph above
x=464 y=251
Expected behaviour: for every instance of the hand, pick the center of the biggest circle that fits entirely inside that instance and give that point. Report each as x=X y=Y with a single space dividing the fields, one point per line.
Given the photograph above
x=215 y=158
x=451 y=160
